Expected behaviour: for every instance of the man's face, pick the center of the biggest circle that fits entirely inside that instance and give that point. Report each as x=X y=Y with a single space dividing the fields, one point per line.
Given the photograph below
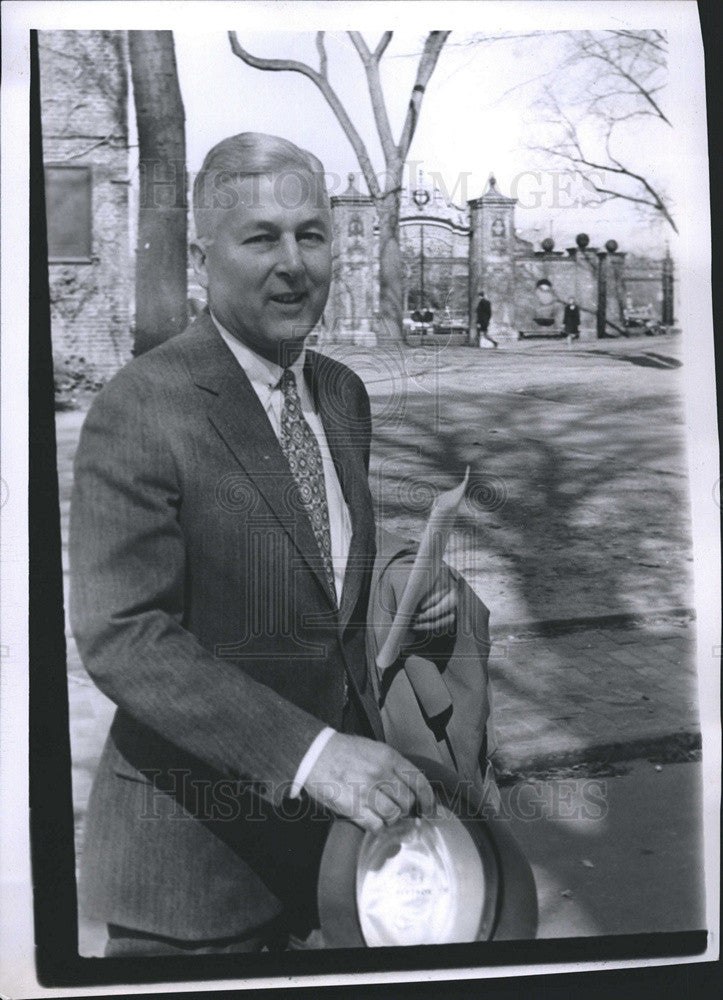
x=267 y=263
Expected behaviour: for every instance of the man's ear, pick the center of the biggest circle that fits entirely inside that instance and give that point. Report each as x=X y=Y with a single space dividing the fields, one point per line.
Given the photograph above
x=198 y=259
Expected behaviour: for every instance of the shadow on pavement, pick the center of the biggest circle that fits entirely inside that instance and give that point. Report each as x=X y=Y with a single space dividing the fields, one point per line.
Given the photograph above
x=637 y=868
x=648 y=359
x=567 y=500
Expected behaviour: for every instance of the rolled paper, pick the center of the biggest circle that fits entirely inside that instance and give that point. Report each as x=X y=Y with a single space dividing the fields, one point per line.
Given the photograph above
x=424 y=571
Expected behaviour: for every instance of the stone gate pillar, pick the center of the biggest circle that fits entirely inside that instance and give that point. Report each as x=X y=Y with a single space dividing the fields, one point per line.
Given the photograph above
x=491 y=267
x=350 y=308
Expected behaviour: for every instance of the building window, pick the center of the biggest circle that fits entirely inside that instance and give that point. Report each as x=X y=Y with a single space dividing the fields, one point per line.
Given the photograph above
x=68 y=210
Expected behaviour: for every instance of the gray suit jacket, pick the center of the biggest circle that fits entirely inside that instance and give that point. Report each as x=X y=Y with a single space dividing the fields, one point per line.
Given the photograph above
x=200 y=607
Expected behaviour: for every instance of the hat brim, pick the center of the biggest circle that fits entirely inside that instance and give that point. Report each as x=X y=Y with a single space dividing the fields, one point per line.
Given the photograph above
x=509 y=911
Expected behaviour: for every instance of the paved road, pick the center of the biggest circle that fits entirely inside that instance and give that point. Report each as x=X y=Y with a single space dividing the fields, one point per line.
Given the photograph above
x=594 y=694
x=636 y=869
x=578 y=505
x=579 y=496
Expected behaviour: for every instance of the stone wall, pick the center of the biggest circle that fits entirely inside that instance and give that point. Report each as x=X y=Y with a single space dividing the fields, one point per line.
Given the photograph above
x=643 y=283
x=84 y=106
x=477 y=248
x=569 y=277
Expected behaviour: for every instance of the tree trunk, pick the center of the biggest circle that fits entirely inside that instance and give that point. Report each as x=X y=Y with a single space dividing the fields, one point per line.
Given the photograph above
x=391 y=268
x=161 y=255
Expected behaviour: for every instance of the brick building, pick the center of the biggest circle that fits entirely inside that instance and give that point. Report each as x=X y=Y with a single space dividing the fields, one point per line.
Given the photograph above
x=84 y=108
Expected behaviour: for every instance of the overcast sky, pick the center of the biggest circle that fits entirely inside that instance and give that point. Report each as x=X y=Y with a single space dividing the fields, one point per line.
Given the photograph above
x=478 y=117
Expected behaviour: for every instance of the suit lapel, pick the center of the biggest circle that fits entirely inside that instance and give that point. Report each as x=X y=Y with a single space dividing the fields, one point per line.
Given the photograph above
x=235 y=411
x=339 y=424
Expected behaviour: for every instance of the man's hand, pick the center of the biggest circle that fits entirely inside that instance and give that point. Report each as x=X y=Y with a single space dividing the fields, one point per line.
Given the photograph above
x=368 y=782
x=437 y=611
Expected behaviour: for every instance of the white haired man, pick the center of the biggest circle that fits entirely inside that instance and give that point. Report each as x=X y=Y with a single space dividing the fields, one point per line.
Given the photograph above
x=222 y=541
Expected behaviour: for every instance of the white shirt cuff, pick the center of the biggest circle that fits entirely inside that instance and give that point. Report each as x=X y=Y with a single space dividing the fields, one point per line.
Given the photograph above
x=309 y=759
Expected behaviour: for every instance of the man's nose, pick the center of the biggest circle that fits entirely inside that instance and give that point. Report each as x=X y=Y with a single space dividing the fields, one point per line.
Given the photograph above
x=290 y=261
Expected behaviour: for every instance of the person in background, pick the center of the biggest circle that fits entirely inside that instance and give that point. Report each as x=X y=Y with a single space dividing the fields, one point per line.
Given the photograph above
x=571 y=319
x=484 y=315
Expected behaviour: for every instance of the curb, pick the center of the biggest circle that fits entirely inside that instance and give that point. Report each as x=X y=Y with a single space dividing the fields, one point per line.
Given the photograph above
x=550 y=627
x=597 y=760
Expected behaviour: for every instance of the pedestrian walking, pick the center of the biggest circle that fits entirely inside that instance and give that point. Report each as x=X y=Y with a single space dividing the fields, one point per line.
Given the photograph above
x=484 y=315
x=571 y=319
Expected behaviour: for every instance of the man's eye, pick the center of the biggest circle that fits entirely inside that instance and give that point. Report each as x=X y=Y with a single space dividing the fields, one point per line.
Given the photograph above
x=311 y=238
x=261 y=238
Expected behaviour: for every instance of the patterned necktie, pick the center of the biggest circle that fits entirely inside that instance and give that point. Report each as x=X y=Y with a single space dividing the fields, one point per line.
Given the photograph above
x=301 y=448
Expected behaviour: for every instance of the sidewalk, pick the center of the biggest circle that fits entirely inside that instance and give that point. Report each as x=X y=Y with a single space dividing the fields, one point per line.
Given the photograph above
x=594 y=695
x=589 y=697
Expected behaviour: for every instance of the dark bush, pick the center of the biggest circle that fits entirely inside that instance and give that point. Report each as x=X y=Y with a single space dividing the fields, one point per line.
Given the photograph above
x=75 y=381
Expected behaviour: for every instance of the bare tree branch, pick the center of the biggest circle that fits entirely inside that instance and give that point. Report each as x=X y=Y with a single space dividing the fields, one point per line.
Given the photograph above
x=430 y=54
x=89 y=149
x=632 y=67
x=381 y=118
x=294 y=66
x=382 y=46
x=655 y=201
x=321 y=48
x=360 y=45
x=659 y=45
x=616 y=65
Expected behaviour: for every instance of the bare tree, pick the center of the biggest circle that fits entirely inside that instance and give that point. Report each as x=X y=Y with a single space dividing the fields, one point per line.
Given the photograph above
x=608 y=80
x=386 y=196
x=161 y=276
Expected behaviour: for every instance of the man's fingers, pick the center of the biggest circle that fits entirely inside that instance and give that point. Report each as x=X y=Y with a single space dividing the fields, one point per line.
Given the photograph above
x=419 y=786
x=368 y=820
x=433 y=597
x=369 y=783
x=444 y=606
x=385 y=806
x=445 y=624
x=396 y=791
x=435 y=619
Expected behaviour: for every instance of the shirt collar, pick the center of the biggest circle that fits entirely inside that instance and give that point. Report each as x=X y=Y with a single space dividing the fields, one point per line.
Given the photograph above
x=263 y=374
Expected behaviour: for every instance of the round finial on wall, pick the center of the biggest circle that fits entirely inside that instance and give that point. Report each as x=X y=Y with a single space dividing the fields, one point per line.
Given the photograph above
x=582 y=240
x=548 y=244
x=611 y=246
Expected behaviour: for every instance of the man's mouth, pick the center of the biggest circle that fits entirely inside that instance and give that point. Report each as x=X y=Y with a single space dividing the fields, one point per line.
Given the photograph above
x=289 y=298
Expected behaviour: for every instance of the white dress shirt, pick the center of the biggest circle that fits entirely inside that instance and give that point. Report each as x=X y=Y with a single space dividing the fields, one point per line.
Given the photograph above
x=264 y=376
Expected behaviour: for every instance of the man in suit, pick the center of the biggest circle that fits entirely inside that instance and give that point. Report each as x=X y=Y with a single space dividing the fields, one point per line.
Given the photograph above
x=221 y=544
